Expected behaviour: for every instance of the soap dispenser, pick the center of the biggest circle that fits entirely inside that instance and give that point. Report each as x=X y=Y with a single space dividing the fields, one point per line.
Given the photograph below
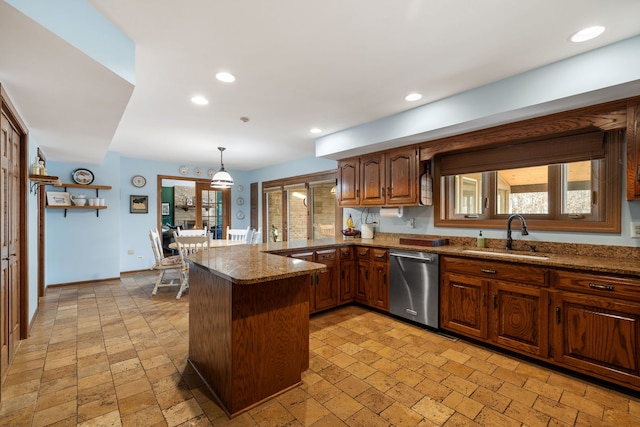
x=480 y=241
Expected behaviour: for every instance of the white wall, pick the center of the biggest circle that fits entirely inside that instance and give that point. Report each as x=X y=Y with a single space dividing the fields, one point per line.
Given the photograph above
x=82 y=246
x=134 y=229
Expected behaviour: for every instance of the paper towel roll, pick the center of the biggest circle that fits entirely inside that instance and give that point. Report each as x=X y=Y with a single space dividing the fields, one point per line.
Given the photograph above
x=391 y=212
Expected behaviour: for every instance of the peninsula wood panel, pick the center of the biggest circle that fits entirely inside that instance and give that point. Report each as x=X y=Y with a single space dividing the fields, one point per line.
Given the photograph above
x=248 y=342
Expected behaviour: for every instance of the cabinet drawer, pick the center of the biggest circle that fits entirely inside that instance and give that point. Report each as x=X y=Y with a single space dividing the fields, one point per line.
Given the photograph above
x=307 y=256
x=346 y=253
x=326 y=256
x=380 y=255
x=598 y=284
x=363 y=253
x=495 y=270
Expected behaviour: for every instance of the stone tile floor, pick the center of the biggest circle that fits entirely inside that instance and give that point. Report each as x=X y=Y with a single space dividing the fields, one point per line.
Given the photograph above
x=109 y=354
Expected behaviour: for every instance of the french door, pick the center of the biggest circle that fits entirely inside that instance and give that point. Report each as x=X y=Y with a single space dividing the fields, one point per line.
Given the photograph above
x=300 y=208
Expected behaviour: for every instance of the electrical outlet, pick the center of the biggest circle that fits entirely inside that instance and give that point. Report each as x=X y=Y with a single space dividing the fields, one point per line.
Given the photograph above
x=131 y=251
x=635 y=229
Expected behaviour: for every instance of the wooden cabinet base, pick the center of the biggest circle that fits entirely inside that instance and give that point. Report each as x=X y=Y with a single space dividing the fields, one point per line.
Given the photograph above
x=248 y=343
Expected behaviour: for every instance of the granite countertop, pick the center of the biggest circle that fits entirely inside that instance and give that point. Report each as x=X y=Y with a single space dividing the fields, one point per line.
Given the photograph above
x=250 y=264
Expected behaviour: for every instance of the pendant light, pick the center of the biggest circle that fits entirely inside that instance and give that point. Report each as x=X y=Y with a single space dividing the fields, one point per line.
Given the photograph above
x=221 y=179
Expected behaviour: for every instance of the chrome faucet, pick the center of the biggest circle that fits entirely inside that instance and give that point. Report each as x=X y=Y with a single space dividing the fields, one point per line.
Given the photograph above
x=524 y=229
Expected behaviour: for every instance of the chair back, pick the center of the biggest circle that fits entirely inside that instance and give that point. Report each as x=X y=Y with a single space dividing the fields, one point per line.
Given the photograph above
x=156 y=245
x=257 y=236
x=188 y=245
x=194 y=232
x=237 y=234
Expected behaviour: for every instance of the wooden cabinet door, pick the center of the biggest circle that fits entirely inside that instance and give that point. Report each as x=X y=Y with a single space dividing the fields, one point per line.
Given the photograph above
x=633 y=151
x=348 y=182
x=597 y=335
x=518 y=317
x=372 y=182
x=463 y=305
x=362 y=284
x=348 y=274
x=327 y=287
x=402 y=177
x=380 y=286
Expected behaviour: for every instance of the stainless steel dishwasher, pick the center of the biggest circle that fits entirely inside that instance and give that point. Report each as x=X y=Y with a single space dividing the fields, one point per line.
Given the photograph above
x=414 y=286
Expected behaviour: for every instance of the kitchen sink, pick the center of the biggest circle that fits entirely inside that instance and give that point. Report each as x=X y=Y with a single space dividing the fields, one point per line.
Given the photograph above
x=505 y=254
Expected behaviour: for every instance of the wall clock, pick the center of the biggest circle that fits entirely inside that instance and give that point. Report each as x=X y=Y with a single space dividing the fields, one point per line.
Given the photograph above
x=197 y=171
x=139 y=181
x=183 y=170
x=82 y=176
x=240 y=215
x=240 y=201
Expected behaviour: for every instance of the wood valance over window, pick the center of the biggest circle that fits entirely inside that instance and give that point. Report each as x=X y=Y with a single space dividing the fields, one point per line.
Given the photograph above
x=563 y=149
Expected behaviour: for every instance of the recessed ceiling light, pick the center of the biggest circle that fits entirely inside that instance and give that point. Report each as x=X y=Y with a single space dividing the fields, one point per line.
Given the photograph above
x=413 y=97
x=315 y=130
x=587 y=34
x=200 y=100
x=223 y=76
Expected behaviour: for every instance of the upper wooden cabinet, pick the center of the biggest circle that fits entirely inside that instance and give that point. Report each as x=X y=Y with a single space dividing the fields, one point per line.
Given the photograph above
x=380 y=179
x=349 y=182
x=633 y=151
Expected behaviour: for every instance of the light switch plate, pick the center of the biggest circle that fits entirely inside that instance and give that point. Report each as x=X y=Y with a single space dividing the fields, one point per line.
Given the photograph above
x=635 y=229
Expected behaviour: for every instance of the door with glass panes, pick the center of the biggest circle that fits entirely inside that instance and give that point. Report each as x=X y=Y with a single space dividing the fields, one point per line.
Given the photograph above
x=300 y=209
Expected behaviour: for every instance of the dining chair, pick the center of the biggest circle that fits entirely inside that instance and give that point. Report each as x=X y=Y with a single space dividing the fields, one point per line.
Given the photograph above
x=163 y=264
x=193 y=232
x=188 y=245
x=238 y=234
x=257 y=236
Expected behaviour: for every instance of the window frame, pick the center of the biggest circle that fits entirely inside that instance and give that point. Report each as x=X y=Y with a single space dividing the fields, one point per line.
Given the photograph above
x=608 y=196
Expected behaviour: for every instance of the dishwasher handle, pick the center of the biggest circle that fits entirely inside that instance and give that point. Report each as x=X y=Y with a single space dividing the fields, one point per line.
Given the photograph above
x=417 y=258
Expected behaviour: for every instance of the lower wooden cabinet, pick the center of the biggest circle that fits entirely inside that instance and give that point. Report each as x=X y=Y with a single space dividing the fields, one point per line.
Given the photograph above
x=579 y=320
x=372 y=288
x=596 y=325
x=327 y=288
x=463 y=306
x=518 y=317
x=499 y=302
x=353 y=274
x=324 y=285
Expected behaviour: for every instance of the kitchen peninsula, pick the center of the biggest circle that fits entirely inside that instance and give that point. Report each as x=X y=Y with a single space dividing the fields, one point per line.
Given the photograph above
x=248 y=323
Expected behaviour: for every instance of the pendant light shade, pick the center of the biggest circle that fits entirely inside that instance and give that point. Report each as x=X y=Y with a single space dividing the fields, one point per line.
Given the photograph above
x=221 y=179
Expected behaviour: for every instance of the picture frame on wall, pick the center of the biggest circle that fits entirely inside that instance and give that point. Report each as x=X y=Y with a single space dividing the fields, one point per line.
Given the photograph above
x=165 y=209
x=58 y=198
x=138 y=204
